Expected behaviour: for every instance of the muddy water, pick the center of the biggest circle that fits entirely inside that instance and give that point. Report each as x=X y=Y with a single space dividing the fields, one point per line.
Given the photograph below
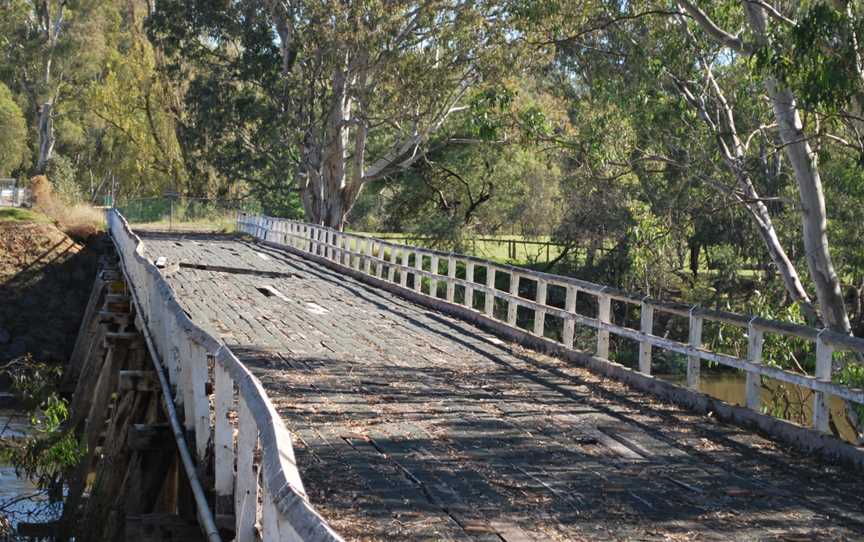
x=20 y=500
x=729 y=387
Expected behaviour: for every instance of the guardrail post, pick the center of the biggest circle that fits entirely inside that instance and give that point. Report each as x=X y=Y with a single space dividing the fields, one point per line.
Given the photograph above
x=604 y=316
x=569 y=323
x=391 y=269
x=451 y=278
x=370 y=248
x=489 y=305
x=540 y=314
x=821 y=400
x=403 y=271
x=246 y=494
x=223 y=439
x=200 y=403
x=418 y=265
x=753 y=384
x=694 y=363
x=433 y=283
x=512 y=307
x=469 y=278
x=646 y=326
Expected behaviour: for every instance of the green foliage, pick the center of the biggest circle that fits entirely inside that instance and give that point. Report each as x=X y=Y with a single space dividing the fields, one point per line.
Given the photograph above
x=818 y=56
x=50 y=451
x=13 y=133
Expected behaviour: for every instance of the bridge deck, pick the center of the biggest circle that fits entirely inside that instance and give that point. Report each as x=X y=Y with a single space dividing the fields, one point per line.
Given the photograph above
x=410 y=424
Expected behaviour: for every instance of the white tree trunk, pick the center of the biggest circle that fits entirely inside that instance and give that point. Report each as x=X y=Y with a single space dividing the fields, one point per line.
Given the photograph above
x=805 y=164
x=46 y=136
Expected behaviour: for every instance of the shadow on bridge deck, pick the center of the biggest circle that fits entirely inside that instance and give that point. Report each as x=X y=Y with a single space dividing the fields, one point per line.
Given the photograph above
x=413 y=425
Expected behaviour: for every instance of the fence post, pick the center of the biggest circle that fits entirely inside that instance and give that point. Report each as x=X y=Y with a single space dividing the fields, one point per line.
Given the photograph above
x=223 y=439
x=403 y=271
x=418 y=277
x=540 y=314
x=604 y=316
x=646 y=326
x=512 y=307
x=391 y=269
x=451 y=276
x=370 y=248
x=821 y=400
x=753 y=385
x=433 y=283
x=246 y=491
x=694 y=363
x=569 y=323
x=489 y=305
x=469 y=278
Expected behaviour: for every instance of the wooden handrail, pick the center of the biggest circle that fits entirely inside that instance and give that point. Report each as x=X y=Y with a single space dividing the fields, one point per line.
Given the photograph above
x=184 y=350
x=336 y=246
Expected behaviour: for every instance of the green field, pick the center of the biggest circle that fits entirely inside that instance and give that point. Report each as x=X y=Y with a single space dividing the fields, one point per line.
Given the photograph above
x=514 y=249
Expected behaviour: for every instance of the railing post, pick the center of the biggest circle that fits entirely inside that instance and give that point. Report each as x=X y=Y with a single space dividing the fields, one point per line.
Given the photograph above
x=569 y=323
x=646 y=326
x=694 y=362
x=540 y=314
x=469 y=290
x=753 y=385
x=451 y=278
x=370 y=247
x=604 y=316
x=199 y=360
x=246 y=493
x=391 y=269
x=433 y=283
x=489 y=305
x=223 y=439
x=381 y=259
x=512 y=306
x=418 y=277
x=821 y=400
x=403 y=271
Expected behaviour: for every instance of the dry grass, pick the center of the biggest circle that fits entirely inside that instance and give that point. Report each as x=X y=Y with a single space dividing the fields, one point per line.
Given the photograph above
x=78 y=220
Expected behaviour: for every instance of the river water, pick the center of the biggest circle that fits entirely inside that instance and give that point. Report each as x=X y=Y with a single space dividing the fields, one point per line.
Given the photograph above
x=729 y=387
x=20 y=500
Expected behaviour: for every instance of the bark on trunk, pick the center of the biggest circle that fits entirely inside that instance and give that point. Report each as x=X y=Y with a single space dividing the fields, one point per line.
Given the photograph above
x=46 y=137
x=805 y=164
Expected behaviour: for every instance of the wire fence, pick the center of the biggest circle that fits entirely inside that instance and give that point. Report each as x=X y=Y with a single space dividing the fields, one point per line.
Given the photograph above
x=13 y=196
x=175 y=213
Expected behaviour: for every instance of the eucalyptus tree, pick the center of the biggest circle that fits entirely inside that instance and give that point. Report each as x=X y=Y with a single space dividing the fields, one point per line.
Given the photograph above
x=13 y=133
x=370 y=81
x=50 y=50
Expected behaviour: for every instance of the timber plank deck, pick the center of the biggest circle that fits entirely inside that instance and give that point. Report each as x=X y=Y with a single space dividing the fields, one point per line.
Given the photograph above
x=413 y=425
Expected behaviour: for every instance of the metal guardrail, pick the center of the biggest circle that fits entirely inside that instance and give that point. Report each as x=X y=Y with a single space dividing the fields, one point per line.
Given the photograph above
x=273 y=490
x=395 y=263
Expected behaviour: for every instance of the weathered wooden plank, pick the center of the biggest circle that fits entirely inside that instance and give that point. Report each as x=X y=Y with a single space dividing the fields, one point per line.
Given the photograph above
x=138 y=381
x=753 y=383
x=512 y=306
x=246 y=494
x=604 y=316
x=223 y=436
x=489 y=304
x=821 y=409
x=150 y=437
x=694 y=362
x=540 y=314
x=646 y=326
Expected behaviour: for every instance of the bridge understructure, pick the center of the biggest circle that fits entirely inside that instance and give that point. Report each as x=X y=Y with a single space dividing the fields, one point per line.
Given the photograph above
x=412 y=423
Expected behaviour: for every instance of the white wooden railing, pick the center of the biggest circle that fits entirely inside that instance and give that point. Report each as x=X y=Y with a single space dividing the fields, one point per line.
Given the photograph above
x=390 y=262
x=269 y=497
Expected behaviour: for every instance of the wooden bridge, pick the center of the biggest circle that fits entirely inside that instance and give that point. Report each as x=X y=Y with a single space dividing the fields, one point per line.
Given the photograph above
x=343 y=386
